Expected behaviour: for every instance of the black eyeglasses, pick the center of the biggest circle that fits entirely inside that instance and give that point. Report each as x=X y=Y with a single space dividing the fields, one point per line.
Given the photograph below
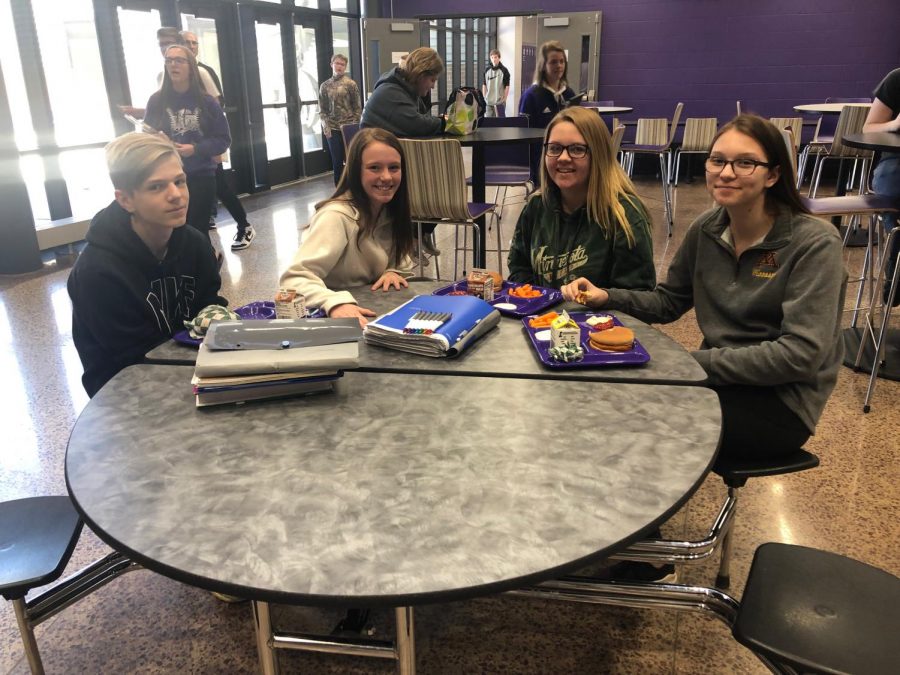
x=575 y=150
x=177 y=60
x=740 y=167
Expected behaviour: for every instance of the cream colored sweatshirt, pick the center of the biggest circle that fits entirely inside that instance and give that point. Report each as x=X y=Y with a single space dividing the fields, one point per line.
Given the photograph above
x=329 y=258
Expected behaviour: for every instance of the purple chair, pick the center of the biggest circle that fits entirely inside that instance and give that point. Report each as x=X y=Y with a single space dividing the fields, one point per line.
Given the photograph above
x=505 y=166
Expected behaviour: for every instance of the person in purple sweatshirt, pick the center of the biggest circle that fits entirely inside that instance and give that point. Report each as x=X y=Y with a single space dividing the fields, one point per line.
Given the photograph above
x=195 y=123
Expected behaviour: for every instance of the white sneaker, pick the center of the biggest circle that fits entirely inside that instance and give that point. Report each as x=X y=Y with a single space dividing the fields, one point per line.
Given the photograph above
x=243 y=238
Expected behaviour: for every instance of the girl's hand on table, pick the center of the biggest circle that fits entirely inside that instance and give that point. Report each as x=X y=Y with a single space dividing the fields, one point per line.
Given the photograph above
x=389 y=280
x=584 y=292
x=351 y=311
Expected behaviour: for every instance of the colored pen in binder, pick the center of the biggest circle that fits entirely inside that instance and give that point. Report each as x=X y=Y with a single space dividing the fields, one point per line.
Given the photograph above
x=425 y=323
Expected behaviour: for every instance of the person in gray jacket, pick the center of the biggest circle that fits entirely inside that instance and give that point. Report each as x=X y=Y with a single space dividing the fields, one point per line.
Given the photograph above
x=767 y=282
x=397 y=104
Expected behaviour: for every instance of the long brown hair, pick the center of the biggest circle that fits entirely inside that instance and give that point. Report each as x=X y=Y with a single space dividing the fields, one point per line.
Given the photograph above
x=350 y=189
x=608 y=184
x=784 y=191
x=540 y=75
x=167 y=91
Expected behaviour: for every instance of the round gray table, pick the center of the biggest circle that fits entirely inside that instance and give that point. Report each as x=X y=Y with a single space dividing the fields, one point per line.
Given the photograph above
x=607 y=109
x=504 y=352
x=393 y=491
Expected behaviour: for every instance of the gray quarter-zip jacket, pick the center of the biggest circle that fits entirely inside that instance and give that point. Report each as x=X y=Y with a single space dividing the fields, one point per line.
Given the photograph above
x=771 y=318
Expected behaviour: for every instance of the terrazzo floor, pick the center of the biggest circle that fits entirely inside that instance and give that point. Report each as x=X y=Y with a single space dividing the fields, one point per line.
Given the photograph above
x=146 y=623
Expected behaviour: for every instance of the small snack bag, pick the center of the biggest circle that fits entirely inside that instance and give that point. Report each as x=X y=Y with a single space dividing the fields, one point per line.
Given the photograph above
x=198 y=326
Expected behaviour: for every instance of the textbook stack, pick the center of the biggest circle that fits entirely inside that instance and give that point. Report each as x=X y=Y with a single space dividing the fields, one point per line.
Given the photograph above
x=241 y=361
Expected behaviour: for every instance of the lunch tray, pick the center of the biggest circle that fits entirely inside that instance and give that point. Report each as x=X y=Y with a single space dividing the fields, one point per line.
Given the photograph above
x=524 y=306
x=592 y=357
x=261 y=309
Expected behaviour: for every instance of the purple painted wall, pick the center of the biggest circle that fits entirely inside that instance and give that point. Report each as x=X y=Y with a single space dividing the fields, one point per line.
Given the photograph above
x=769 y=54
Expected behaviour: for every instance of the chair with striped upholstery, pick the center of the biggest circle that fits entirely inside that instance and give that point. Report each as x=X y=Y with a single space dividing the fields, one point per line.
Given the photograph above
x=698 y=136
x=823 y=135
x=850 y=121
x=795 y=126
x=436 y=180
x=652 y=139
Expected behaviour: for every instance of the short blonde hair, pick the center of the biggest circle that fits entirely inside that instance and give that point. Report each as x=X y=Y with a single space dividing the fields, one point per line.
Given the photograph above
x=421 y=62
x=607 y=181
x=339 y=57
x=133 y=157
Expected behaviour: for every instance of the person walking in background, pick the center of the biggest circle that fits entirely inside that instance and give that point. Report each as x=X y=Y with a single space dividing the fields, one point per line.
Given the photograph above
x=884 y=115
x=496 y=86
x=245 y=232
x=194 y=121
x=547 y=95
x=339 y=103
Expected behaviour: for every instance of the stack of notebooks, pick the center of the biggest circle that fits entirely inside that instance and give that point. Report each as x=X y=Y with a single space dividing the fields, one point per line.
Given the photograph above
x=245 y=361
x=433 y=325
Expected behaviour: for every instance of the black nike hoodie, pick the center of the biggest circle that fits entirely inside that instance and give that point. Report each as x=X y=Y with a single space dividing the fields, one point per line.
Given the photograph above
x=125 y=301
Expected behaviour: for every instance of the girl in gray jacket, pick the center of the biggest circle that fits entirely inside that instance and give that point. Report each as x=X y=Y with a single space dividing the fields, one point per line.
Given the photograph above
x=767 y=282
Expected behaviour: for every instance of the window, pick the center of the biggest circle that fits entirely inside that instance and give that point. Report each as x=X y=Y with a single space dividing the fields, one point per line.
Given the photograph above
x=71 y=60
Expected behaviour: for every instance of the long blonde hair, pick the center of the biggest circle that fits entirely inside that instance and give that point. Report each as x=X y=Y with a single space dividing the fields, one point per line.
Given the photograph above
x=540 y=75
x=607 y=182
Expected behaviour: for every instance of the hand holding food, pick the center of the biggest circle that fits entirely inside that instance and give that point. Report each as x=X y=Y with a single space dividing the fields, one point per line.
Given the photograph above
x=585 y=293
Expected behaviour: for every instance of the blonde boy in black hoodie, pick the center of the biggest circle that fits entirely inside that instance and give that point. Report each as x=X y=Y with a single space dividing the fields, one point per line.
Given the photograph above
x=142 y=272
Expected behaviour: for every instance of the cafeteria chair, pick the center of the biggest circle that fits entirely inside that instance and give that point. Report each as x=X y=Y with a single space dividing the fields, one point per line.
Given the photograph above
x=658 y=144
x=850 y=121
x=735 y=474
x=824 y=133
x=436 y=182
x=795 y=126
x=803 y=610
x=698 y=136
x=348 y=131
x=37 y=537
x=505 y=166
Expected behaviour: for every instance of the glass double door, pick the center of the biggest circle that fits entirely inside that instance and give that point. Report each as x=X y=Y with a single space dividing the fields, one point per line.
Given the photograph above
x=293 y=53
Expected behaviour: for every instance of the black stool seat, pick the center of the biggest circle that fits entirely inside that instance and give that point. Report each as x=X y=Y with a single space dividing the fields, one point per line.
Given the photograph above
x=820 y=612
x=736 y=472
x=37 y=537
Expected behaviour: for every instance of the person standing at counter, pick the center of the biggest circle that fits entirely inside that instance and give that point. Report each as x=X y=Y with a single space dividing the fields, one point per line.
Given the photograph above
x=362 y=234
x=586 y=221
x=884 y=115
x=547 y=95
x=767 y=281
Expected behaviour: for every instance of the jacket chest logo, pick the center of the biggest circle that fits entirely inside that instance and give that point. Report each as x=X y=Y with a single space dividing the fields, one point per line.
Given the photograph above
x=766 y=266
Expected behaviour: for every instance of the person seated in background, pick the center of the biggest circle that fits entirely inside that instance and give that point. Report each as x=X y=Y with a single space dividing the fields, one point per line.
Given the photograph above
x=362 y=234
x=586 y=221
x=767 y=282
x=398 y=104
x=884 y=115
x=142 y=273
x=547 y=95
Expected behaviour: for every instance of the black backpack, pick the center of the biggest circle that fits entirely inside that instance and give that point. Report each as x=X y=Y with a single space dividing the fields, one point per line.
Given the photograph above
x=476 y=95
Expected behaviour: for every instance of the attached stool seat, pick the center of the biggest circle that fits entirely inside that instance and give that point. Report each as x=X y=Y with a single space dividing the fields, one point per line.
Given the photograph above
x=819 y=612
x=736 y=473
x=37 y=537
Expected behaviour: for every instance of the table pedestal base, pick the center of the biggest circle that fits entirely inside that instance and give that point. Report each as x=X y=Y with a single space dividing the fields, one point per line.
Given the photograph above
x=267 y=641
x=890 y=369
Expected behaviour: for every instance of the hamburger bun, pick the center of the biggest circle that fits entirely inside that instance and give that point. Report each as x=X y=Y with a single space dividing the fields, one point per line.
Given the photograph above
x=617 y=339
